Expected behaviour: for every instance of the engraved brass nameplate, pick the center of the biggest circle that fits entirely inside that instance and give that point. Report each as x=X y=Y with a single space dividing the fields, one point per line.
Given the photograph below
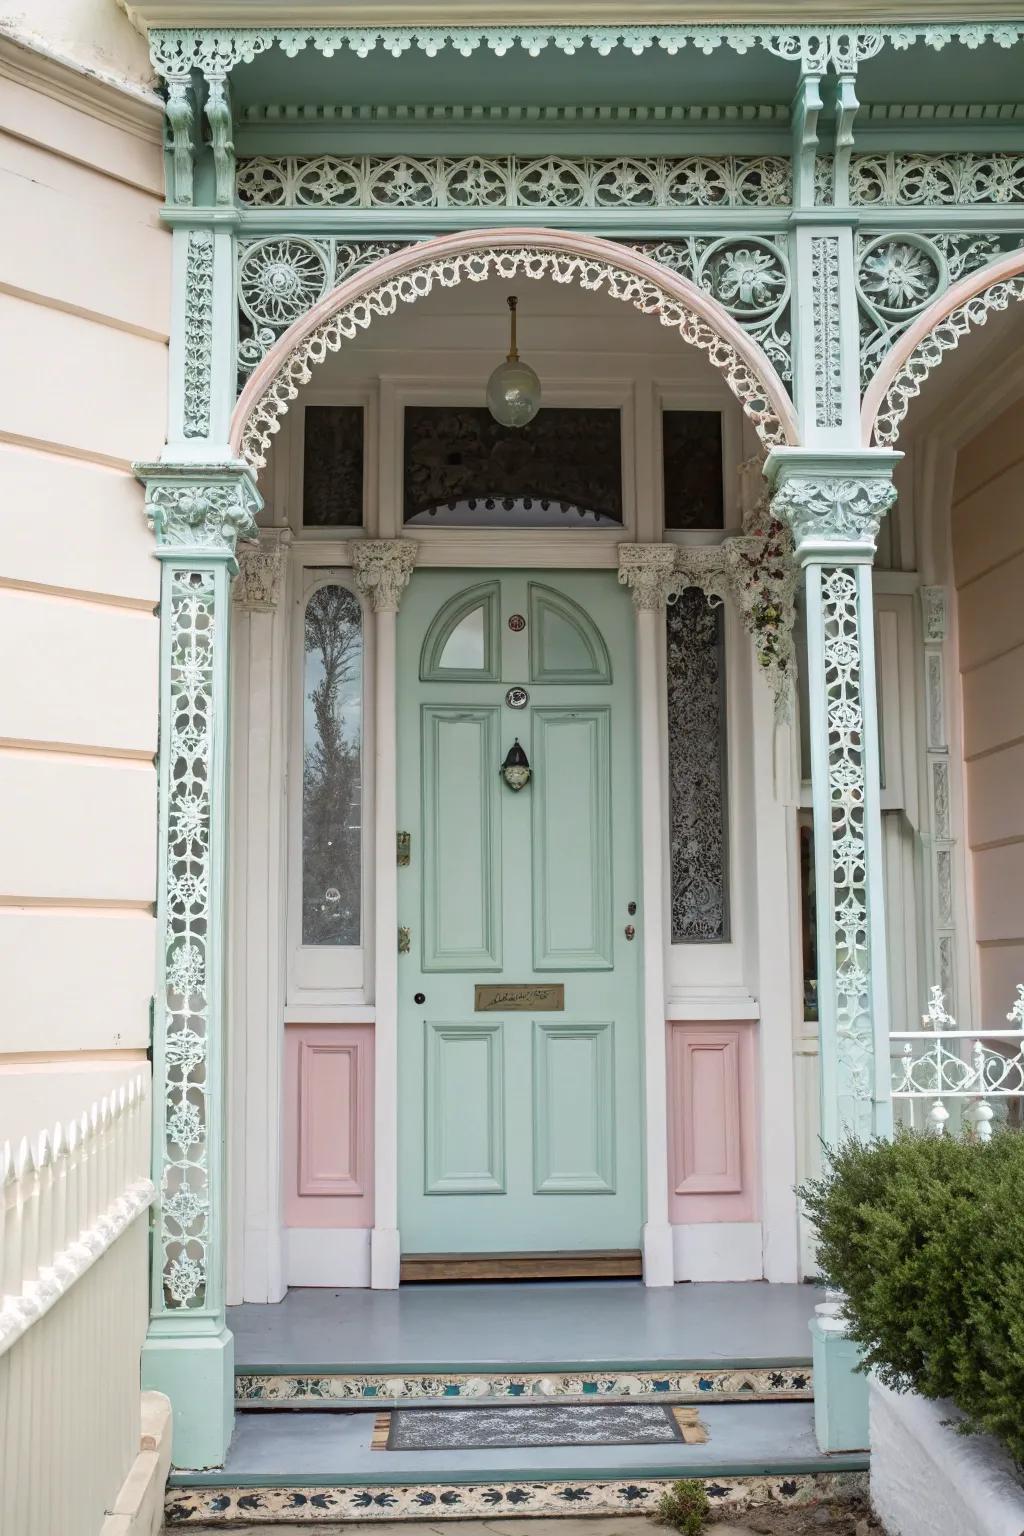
x=525 y=999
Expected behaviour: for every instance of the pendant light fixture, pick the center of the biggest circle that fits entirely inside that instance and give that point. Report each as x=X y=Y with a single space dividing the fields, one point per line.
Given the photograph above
x=513 y=389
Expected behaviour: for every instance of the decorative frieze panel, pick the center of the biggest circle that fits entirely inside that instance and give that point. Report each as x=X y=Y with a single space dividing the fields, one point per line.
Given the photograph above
x=899 y=274
x=281 y=277
x=935 y=181
x=597 y=274
x=511 y=181
x=748 y=275
x=945 y=336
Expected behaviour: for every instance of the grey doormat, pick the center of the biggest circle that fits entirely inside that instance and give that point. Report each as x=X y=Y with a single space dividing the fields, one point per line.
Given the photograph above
x=534 y=1424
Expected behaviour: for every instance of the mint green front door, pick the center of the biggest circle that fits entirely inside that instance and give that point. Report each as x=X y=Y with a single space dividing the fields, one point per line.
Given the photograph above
x=520 y=1130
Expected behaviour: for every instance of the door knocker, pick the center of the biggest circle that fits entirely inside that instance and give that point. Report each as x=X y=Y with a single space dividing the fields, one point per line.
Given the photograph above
x=515 y=770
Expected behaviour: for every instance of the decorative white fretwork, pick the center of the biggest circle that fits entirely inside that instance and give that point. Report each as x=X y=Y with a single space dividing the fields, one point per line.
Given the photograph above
x=936 y=180
x=513 y=181
x=943 y=1063
x=198 y=332
x=261 y=567
x=383 y=568
x=504 y=262
x=648 y=570
x=828 y=366
x=815 y=48
x=900 y=274
x=944 y=337
x=197 y=516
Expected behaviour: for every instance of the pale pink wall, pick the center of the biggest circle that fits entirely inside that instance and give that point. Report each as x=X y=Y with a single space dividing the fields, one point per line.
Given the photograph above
x=712 y=1117
x=988 y=558
x=84 y=320
x=328 y=1125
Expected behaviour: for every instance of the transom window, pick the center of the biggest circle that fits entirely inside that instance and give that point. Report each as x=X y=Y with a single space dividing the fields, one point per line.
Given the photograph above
x=463 y=469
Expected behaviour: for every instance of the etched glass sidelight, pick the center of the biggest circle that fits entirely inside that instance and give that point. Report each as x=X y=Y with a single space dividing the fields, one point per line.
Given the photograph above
x=697 y=769
x=332 y=738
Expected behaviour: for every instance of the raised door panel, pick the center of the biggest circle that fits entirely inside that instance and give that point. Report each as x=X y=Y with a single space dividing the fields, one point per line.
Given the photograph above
x=574 y=1109
x=464 y=1119
x=713 y=1121
x=330 y=1149
x=461 y=839
x=572 y=864
x=566 y=645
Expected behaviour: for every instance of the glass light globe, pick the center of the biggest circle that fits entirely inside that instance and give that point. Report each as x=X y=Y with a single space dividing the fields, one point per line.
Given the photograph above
x=513 y=393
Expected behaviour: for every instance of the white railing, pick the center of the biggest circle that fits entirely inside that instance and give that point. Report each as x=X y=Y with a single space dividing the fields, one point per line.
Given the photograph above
x=976 y=1071
x=73 y=1312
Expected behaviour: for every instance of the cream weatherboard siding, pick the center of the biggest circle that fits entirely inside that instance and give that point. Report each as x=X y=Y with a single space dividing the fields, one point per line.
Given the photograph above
x=988 y=552
x=84 y=316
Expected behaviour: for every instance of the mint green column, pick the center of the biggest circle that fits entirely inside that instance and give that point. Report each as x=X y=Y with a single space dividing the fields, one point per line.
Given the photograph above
x=197 y=515
x=834 y=504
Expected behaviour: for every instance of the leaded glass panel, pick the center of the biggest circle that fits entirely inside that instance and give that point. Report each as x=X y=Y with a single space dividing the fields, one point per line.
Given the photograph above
x=332 y=477
x=462 y=468
x=332 y=767
x=691 y=450
x=698 y=810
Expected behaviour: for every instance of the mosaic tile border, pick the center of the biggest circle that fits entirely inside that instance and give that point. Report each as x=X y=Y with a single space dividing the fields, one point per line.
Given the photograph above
x=428 y=1501
x=772 y=1383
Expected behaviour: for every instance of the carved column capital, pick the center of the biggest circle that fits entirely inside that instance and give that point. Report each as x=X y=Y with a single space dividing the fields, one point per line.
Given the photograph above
x=649 y=572
x=260 y=568
x=833 y=503
x=200 y=509
x=382 y=570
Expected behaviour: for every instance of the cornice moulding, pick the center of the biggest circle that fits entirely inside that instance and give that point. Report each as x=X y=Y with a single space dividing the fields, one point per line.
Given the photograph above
x=462 y=13
x=117 y=101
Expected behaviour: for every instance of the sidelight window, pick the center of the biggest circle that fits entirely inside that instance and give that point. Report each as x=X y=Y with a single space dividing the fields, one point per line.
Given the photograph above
x=332 y=777
x=698 y=810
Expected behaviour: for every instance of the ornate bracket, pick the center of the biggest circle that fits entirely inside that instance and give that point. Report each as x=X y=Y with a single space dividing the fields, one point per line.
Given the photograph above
x=383 y=568
x=218 y=115
x=260 y=569
x=200 y=511
x=181 y=124
x=647 y=570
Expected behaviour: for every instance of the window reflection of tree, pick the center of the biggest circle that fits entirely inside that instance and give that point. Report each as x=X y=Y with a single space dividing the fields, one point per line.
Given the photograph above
x=331 y=768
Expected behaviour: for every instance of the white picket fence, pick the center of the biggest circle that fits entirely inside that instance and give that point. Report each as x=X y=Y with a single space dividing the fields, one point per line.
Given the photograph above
x=73 y=1312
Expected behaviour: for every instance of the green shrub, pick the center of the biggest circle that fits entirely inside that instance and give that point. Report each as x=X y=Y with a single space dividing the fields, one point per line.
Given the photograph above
x=925 y=1235
x=685 y=1507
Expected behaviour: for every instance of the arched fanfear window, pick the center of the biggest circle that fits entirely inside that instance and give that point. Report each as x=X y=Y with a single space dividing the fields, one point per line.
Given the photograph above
x=463 y=469
x=329 y=810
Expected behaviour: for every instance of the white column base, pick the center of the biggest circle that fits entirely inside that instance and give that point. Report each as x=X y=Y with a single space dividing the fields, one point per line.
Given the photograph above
x=385 y=1258
x=263 y=1277
x=719 y=1250
x=659 y=1260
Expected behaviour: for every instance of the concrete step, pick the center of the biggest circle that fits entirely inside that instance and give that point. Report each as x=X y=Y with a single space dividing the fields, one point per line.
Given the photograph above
x=312 y=1467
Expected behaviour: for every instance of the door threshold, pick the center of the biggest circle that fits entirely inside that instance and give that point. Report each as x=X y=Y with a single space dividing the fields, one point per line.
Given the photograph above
x=572 y=1264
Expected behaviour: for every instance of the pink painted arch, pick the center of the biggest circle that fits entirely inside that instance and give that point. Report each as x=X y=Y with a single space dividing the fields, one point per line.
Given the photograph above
x=594 y=263
x=937 y=330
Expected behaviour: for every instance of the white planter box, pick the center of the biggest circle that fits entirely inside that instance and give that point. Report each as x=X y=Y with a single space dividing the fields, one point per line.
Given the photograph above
x=927 y=1480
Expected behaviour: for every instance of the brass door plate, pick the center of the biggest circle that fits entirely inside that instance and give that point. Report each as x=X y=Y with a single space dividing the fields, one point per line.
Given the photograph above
x=549 y=998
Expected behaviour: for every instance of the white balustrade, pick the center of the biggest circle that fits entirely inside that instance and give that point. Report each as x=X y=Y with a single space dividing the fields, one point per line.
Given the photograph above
x=73 y=1315
x=939 y=1064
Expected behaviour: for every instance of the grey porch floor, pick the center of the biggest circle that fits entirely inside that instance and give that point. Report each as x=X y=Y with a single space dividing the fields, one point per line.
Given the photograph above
x=333 y=1449
x=615 y=1323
